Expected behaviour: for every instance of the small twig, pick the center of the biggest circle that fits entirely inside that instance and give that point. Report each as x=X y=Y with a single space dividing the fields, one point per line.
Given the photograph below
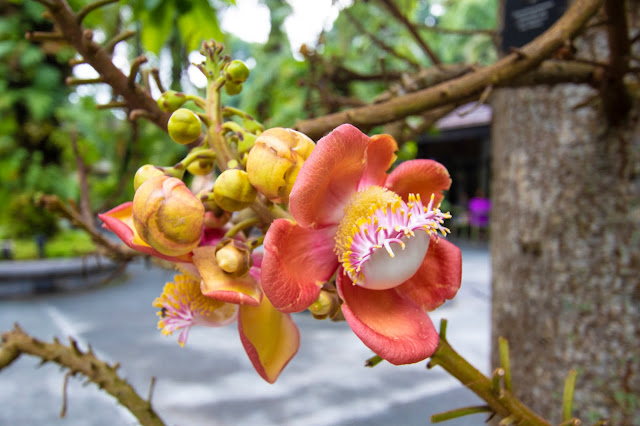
x=155 y=73
x=43 y=36
x=395 y=11
x=139 y=113
x=135 y=67
x=152 y=387
x=72 y=81
x=82 y=13
x=63 y=410
x=377 y=41
x=460 y=32
x=505 y=362
x=483 y=98
x=111 y=44
x=112 y=104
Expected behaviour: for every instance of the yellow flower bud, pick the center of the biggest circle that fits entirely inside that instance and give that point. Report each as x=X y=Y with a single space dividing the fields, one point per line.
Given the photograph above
x=234 y=257
x=184 y=126
x=167 y=216
x=275 y=160
x=232 y=88
x=200 y=167
x=145 y=172
x=236 y=71
x=233 y=191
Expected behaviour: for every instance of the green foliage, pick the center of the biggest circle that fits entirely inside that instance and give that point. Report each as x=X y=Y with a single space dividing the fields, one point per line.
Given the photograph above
x=34 y=220
x=68 y=243
x=196 y=21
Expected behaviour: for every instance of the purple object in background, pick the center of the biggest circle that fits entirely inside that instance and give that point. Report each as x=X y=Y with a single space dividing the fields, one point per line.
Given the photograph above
x=479 y=209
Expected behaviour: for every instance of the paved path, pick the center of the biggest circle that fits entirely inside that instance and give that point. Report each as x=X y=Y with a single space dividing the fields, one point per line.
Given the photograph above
x=211 y=382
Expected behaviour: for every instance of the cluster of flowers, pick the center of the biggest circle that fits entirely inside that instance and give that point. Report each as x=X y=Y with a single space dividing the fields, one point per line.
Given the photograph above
x=358 y=242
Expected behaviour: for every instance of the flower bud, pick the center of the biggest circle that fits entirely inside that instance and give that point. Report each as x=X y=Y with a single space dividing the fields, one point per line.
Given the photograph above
x=171 y=100
x=275 y=160
x=234 y=257
x=167 y=216
x=200 y=167
x=232 y=88
x=144 y=173
x=236 y=72
x=233 y=191
x=184 y=126
x=216 y=219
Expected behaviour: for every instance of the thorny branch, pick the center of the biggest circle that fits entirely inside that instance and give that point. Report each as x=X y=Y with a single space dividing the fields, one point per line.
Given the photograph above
x=16 y=342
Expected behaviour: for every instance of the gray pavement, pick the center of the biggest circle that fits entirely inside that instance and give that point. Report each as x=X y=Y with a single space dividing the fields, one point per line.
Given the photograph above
x=211 y=381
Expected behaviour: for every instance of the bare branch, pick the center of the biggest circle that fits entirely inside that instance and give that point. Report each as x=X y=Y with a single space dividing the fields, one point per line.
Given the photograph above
x=500 y=73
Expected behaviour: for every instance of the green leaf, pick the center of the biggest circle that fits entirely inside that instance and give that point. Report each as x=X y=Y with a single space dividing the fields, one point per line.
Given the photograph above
x=156 y=26
x=200 y=23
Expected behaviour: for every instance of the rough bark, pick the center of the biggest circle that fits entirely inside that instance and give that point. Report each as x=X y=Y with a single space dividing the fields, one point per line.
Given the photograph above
x=565 y=245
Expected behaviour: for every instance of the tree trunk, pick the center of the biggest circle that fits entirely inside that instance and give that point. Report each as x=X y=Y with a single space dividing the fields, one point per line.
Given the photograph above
x=565 y=245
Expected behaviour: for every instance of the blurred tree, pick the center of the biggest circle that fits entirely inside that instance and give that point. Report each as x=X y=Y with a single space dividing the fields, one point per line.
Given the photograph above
x=565 y=245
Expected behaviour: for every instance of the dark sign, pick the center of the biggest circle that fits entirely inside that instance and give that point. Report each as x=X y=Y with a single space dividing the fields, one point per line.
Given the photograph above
x=525 y=20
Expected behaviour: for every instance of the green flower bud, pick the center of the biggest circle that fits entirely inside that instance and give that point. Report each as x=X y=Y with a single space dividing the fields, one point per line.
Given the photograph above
x=232 y=88
x=184 y=126
x=171 y=100
x=144 y=173
x=246 y=143
x=275 y=160
x=167 y=216
x=233 y=191
x=236 y=72
x=200 y=167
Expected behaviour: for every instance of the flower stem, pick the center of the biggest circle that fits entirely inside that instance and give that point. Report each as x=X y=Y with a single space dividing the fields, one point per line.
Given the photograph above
x=503 y=402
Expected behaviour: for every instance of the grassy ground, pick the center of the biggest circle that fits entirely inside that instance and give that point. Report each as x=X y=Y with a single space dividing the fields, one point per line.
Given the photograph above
x=66 y=244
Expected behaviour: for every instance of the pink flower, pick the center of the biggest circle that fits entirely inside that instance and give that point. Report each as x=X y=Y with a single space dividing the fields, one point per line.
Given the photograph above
x=372 y=228
x=207 y=296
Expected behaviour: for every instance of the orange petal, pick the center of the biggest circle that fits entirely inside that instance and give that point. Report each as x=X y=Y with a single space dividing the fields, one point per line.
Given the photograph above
x=269 y=337
x=296 y=263
x=380 y=156
x=119 y=220
x=438 y=278
x=329 y=177
x=390 y=324
x=219 y=285
x=424 y=177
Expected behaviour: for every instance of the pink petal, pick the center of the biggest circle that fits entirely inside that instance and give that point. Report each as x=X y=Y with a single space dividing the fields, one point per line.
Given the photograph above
x=296 y=263
x=329 y=177
x=438 y=278
x=424 y=177
x=269 y=337
x=219 y=285
x=380 y=156
x=391 y=325
x=119 y=220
